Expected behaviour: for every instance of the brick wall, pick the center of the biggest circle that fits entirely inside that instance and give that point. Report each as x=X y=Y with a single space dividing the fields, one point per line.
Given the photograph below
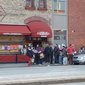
x=76 y=22
x=16 y=13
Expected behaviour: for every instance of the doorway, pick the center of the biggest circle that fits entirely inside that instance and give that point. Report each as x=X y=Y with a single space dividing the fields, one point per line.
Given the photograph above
x=36 y=42
x=60 y=38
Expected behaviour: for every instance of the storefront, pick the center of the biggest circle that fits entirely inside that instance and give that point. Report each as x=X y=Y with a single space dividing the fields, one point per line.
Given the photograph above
x=41 y=33
x=14 y=37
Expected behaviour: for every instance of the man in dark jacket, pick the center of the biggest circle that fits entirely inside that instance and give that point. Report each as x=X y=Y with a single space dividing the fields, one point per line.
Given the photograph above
x=56 y=53
x=48 y=54
x=30 y=55
x=51 y=55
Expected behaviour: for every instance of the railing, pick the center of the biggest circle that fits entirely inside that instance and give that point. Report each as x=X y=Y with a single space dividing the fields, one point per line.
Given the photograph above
x=13 y=58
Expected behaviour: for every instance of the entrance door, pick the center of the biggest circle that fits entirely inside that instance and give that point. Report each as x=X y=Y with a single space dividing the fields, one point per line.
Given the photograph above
x=36 y=42
x=60 y=38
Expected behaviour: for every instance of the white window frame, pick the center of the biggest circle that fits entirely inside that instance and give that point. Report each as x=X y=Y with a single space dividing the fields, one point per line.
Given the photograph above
x=57 y=5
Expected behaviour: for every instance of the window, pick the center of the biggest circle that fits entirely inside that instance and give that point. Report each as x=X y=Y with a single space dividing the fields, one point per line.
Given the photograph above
x=59 y=6
x=56 y=37
x=42 y=5
x=30 y=5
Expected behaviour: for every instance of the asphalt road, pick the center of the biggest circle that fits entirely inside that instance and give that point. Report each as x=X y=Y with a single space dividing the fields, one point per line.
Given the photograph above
x=19 y=72
x=76 y=83
x=41 y=73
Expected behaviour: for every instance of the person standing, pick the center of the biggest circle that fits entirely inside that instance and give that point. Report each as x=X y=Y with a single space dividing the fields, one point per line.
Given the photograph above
x=61 y=53
x=37 y=56
x=81 y=49
x=40 y=58
x=47 y=53
x=35 y=52
x=51 y=55
x=23 y=50
x=31 y=46
x=65 y=56
x=70 y=51
x=56 y=53
x=30 y=55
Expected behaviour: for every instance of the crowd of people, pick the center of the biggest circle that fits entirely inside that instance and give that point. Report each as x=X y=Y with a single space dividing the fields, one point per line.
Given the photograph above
x=38 y=54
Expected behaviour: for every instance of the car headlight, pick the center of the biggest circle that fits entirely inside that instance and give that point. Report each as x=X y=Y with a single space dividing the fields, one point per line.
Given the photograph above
x=82 y=57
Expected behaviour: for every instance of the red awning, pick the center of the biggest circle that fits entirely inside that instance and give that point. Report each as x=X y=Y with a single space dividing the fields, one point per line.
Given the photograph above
x=14 y=30
x=39 y=29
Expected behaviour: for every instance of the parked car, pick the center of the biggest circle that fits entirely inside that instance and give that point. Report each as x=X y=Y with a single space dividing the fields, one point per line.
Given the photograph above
x=79 y=59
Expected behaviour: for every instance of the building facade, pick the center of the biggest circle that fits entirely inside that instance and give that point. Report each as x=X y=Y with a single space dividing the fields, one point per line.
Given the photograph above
x=68 y=22
x=76 y=25
x=60 y=22
x=24 y=22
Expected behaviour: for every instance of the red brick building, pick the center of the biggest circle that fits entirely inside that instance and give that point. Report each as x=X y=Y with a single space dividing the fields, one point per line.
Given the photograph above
x=76 y=22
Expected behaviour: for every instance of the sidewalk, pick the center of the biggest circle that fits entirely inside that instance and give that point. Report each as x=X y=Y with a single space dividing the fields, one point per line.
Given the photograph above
x=10 y=65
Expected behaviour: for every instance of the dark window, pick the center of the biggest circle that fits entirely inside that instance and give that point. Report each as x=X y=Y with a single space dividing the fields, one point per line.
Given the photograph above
x=30 y=5
x=56 y=37
x=41 y=3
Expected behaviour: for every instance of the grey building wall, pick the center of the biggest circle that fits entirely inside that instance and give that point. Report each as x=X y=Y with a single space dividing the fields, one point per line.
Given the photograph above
x=59 y=21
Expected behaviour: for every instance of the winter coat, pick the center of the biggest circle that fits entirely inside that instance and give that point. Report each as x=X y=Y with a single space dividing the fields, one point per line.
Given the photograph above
x=40 y=51
x=64 y=53
x=37 y=48
x=70 y=50
x=48 y=51
x=56 y=50
x=29 y=53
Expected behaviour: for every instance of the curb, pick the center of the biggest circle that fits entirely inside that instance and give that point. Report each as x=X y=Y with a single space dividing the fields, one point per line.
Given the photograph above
x=13 y=66
x=44 y=81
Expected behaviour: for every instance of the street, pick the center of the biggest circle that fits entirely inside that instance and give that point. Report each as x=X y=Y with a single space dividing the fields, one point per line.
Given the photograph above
x=35 y=71
x=76 y=83
x=41 y=73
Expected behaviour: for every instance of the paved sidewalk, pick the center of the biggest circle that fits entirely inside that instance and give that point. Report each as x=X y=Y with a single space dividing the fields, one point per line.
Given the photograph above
x=10 y=65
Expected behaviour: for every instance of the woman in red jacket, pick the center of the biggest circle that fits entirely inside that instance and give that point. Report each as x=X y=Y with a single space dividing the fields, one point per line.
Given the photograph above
x=70 y=51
